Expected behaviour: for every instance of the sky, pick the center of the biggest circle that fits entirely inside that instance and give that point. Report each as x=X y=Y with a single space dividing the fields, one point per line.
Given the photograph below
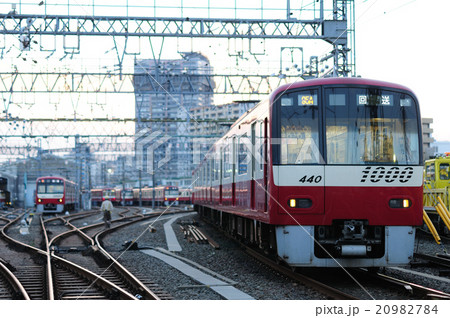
x=404 y=41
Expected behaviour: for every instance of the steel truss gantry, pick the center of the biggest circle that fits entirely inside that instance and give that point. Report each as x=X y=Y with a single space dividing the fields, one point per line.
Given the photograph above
x=107 y=82
x=167 y=27
x=336 y=29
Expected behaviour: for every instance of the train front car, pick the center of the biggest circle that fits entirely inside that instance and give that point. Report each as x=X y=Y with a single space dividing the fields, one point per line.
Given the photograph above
x=55 y=195
x=346 y=173
x=109 y=194
x=171 y=195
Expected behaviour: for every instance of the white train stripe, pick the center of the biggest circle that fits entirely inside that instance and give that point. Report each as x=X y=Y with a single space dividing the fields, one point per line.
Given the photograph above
x=299 y=175
x=348 y=176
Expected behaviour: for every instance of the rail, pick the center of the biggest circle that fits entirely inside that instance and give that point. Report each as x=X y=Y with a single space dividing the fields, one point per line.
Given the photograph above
x=415 y=289
x=329 y=291
x=94 y=278
x=14 y=283
x=146 y=293
x=50 y=290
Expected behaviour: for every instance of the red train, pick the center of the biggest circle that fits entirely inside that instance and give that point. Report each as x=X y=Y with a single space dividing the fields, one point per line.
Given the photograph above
x=124 y=197
x=164 y=195
x=100 y=195
x=326 y=173
x=5 y=195
x=55 y=195
x=185 y=196
x=5 y=198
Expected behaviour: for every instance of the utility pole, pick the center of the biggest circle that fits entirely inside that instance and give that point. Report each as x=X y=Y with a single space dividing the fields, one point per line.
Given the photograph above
x=123 y=182
x=140 y=188
x=153 y=180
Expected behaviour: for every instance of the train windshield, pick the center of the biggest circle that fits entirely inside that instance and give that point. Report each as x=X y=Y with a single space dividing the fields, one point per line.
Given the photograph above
x=54 y=186
x=107 y=194
x=300 y=128
x=172 y=192
x=370 y=126
x=444 y=171
x=361 y=126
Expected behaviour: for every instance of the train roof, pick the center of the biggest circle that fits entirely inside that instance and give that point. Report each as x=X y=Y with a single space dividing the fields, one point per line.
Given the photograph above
x=337 y=81
x=53 y=177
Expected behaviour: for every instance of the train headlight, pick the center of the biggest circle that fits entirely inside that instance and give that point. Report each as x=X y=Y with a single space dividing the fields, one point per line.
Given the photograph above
x=292 y=203
x=60 y=200
x=399 y=203
x=39 y=200
x=301 y=203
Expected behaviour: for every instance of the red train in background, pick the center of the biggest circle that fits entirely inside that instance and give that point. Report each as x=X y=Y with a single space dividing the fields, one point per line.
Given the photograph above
x=5 y=195
x=324 y=173
x=185 y=196
x=100 y=195
x=55 y=195
x=124 y=197
x=164 y=195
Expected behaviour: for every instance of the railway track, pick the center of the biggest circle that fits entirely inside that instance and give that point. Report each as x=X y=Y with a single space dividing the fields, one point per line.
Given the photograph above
x=10 y=286
x=329 y=291
x=94 y=260
x=416 y=290
x=317 y=279
x=21 y=263
x=73 y=265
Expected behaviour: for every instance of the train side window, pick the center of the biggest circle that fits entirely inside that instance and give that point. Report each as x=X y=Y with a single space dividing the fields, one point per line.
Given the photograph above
x=242 y=155
x=227 y=164
x=444 y=171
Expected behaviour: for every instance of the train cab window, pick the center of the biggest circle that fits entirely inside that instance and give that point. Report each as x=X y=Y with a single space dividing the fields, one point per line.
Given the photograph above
x=365 y=126
x=444 y=171
x=53 y=186
x=429 y=172
x=299 y=117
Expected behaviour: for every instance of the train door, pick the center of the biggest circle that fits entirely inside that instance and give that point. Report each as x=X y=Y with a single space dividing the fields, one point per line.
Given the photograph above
x=265 y=161
x=253 y=163
x=220 y=174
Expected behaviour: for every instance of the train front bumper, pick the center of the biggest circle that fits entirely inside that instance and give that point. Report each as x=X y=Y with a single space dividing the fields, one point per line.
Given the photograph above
x=295 y=245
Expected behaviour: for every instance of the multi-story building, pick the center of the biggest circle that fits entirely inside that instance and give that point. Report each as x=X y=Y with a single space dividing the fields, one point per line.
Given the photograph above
x=166 y=91
x=427 y=131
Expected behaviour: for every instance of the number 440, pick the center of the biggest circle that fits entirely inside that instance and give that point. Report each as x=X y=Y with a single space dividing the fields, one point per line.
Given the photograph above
x=310 y=179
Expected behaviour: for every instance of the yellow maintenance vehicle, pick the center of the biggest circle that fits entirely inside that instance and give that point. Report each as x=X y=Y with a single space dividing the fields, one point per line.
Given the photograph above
x=436 y=189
